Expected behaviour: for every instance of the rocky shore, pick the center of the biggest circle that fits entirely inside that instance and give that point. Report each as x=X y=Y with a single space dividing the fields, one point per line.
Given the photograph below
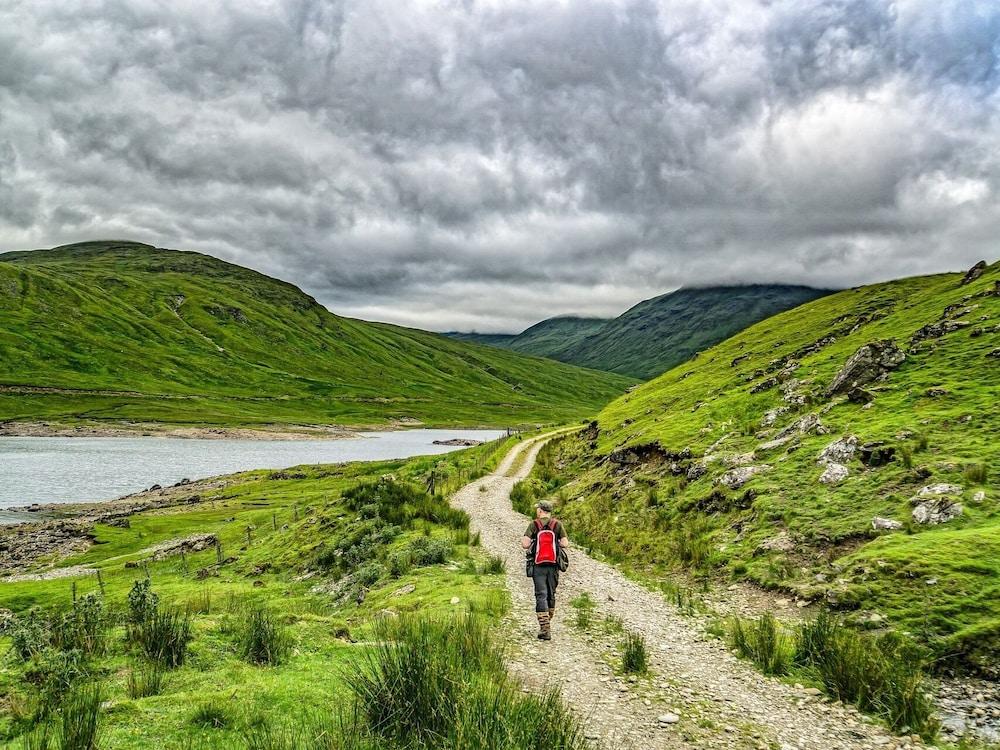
x=148 y=429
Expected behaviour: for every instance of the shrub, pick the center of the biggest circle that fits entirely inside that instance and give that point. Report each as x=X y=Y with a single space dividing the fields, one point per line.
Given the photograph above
x=145 y=680
x=142 y=601
x=80 y=717
x=211 y=715
x=634 y=657
x=427 y=551
x=262 y=639
x=975 y=474
x=494 y=565
x=399 y=564
x=163 y=636
x=29 y=635
x=906 y=454
x=54 y=674
x=764 y=643
x=84 y=628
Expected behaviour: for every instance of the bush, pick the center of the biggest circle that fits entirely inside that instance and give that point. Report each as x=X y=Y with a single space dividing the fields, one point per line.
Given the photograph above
x=262 y=639
x=142 y=601
x=764 y=643
x=145 y=680
x=494 y=565
x=634 y=657
x=29 y=635
x=54 y=674
x=427 y=551
x=80 y=717
x=84 y=628
x=163 y=636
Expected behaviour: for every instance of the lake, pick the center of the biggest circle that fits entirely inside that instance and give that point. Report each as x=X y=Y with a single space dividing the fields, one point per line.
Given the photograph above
x=65 y=470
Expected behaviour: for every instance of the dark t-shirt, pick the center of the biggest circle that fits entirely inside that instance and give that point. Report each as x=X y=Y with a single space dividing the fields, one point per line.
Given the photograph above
x=533 y=530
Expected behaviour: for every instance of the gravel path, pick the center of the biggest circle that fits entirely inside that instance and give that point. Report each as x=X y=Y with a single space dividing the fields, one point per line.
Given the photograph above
x=698 y=695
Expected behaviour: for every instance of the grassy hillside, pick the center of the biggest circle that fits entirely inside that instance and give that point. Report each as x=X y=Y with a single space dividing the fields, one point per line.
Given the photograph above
x=656 y=334
x=123 y=331
x=315 y=566
x=716 y=466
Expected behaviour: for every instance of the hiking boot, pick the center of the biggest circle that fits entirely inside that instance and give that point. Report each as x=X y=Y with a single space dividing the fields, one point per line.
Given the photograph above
x=544 y=634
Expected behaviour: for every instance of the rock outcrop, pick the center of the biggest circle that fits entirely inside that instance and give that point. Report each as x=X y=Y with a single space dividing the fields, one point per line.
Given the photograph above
x=839 y=451
x=974 y=273
x=834 y=473
x=937 y=503
x=885 y=524
x=870 y=363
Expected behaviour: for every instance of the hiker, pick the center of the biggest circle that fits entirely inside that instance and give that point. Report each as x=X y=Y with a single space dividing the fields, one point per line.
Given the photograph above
x=543 y=538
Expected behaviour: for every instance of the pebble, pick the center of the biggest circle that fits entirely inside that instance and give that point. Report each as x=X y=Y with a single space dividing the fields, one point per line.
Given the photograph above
x=668 y=718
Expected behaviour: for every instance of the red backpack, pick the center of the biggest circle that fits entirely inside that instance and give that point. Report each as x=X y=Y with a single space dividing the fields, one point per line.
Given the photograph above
x=546 y=542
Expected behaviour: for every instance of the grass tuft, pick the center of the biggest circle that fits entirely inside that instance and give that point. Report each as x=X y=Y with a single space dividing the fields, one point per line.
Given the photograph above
x=494 y=565
x=80 y=718
x=635 y=659
x=764 y=643
x=211 y=715
x=163 y=636
x=145 y=680
x=262 y=639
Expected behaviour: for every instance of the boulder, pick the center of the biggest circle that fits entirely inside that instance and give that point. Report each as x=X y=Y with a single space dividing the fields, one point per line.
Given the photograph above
x=834 y=474
x=885 y=524
x=937 y=330
x=938 y=510
x=839 y=451
x=736 y=478
x=869 y=363
x=780 y=542
x=942 y=488
x=974 y=273
x=860 y=396
x=803 y=426
x=695 y=471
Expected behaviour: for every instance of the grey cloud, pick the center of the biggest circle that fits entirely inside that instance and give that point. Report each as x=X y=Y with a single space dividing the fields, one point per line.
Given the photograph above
x=484 y=164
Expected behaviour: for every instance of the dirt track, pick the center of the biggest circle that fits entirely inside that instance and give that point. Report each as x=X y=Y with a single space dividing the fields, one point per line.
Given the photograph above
x=718 y=701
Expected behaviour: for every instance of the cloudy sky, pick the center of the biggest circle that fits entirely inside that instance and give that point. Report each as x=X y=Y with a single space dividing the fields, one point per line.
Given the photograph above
x=484 y=164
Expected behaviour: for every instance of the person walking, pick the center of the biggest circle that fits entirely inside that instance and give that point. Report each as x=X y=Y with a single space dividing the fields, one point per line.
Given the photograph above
x=542 y=540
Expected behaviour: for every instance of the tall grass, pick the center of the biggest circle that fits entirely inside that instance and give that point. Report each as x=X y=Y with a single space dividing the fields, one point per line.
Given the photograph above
x=764 y=643
x=494 y=565
x=635 y=660
x=442 y=684
x=263 y=639
x=80 y=718
x=145 y=680
x=163 y=635
x=881 y=675
x=975 y=474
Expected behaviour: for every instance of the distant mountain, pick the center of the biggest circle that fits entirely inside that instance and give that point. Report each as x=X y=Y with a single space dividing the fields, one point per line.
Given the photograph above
x=124 y=331
x=549 y=338
x=658 y=333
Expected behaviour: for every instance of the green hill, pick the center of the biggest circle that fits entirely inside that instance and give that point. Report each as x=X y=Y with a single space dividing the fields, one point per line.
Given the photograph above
x=844 y=451
x=124 y=331
x=656 y=334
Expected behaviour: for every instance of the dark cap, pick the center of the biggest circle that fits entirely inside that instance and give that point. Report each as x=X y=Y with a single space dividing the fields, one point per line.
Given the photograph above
x=544 y=505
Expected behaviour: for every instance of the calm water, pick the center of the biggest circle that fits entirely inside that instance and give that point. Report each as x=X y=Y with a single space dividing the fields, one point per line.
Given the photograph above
x=63 y=470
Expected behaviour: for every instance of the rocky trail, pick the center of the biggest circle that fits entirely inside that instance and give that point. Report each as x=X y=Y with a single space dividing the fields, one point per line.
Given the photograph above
x=698 y=695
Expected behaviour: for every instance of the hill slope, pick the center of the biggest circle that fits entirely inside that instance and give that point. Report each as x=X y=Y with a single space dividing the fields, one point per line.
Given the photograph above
x=844 y=451
x=656 y=334
x=119 y=330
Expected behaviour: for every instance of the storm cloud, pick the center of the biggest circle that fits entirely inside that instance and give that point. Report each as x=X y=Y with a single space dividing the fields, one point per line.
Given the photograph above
x=484 y=164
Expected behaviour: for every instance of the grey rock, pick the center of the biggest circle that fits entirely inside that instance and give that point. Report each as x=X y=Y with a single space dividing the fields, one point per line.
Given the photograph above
x=834 y=474
x=941 y=488
x=885 y=524
x=780 y=542
x=933 y=512
x=869 y=363
x=974 y=273
x=736 y=478
x=839 y=451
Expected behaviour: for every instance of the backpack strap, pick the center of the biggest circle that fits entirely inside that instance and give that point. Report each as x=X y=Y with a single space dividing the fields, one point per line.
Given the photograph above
x=538 y=526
